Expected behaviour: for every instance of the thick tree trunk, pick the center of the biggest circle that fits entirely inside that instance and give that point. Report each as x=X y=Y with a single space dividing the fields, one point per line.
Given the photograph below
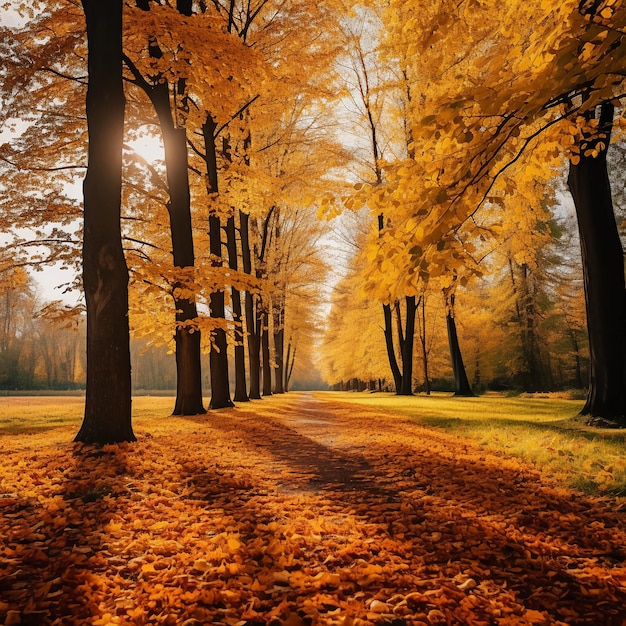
x=605 y=292
x=218 y=356
x=461 y=382
x=241 y=393
x=254 y=347
x=187 y=337
x=107 y=417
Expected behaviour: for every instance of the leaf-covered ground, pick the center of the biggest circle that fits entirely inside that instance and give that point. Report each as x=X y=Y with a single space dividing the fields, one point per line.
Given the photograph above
x=296 y=510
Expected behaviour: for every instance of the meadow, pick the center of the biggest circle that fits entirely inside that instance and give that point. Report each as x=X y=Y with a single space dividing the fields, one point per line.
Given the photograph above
x=543 y=431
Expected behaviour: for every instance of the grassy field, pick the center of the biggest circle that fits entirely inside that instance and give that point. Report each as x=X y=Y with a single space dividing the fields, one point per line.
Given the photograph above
x=538 y=430
x=37 y=414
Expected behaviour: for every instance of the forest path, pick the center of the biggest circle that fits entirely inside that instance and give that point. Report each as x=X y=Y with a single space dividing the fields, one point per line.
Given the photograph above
x=505 y=547
x=297 y=510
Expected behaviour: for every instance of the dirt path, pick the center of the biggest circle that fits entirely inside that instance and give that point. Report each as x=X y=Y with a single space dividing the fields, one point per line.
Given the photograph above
x=300 y=511
x=465 y=536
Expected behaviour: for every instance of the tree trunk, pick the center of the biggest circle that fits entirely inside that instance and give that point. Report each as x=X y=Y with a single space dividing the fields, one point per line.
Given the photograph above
x=107 y=417
x=265 y=350
x=461 y=382
x=254 y=347
x=188 y=339
x=407 y=347
x=391 y=354
x=279 y=346
x=603 y=273
x=424 y=348
x=241 y=393
x=218 y=356
x=289 y=363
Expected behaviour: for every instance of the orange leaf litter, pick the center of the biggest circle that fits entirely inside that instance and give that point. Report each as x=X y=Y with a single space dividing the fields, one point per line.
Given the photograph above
x=297 y=511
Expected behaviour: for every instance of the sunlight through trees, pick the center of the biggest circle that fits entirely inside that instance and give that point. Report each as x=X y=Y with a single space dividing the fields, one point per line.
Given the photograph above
x=448 y=128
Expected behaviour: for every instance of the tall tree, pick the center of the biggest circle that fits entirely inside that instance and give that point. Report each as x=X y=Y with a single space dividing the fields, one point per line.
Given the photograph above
x=162 y=93
x=220 y=386
x=371 y=87
x=603 y=271
x=462 y=386
x=107 y=417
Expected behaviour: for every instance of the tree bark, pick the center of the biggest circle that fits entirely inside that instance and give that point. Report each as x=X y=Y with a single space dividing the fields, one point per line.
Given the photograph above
x=279 y=346
x=218 y=356
x=254 y=347
x=265 y=353
x=407 y=347
x=461 y=382
x=391 y=354
x=107 y=417
x=241 y=393
x=603 y=273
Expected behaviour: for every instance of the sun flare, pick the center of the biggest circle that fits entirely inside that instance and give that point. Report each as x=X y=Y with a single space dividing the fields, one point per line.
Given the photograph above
x=148 y=147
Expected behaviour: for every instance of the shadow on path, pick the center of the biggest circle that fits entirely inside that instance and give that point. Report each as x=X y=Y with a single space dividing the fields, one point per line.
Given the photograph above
x=449 y=514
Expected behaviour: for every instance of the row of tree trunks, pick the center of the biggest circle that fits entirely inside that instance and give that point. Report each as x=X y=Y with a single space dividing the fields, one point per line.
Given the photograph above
x=265 y=376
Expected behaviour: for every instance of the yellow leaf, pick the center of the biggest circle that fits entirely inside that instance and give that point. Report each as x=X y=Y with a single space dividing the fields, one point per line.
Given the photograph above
x=202 y=565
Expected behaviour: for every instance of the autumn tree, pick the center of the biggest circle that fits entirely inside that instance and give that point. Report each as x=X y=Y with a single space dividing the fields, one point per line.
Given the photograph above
x=164 y=86
x=603 y=271
x=372 y=86
x=506 y=96
x=105 y=275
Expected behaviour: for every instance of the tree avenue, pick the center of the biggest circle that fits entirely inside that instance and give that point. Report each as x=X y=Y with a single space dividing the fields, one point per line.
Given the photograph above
x=448 y=128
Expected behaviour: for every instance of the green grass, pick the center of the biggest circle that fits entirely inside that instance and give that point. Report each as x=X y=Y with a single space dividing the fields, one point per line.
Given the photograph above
x=540 y=431
x=23 y=415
